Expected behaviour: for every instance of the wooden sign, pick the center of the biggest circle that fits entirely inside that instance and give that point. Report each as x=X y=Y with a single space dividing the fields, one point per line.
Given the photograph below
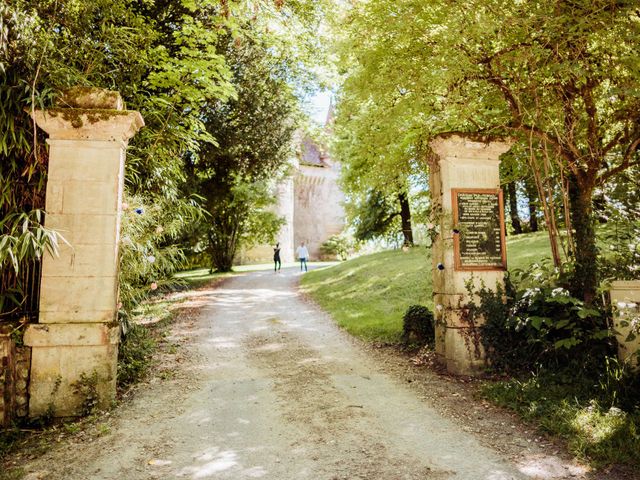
x=479 y=235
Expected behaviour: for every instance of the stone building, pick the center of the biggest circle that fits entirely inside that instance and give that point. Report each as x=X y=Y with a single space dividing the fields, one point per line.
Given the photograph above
x=310 y=201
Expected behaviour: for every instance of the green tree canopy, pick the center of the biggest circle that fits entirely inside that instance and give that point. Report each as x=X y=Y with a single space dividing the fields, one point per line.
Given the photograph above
x=254 y=133
x=562 y=75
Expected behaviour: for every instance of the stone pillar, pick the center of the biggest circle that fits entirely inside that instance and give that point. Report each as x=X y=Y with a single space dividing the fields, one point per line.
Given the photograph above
x=469 y=218
x=625 y=300
x=75 y=343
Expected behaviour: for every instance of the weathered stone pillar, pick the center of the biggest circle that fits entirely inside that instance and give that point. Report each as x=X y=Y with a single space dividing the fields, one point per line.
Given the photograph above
x=74 y=347
x=469 y=247
x=625 y=299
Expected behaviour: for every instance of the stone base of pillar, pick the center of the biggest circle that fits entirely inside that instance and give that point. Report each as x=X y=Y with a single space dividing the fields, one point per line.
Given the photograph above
x=73 y=368
x=464 y=353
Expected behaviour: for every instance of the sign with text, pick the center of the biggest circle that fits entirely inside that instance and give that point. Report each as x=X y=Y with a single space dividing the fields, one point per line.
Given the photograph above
x=478 y=236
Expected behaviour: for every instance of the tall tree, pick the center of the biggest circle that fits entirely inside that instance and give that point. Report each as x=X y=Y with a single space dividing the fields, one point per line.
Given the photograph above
x=562 y=73
x=405 y=219
x=161 y=57
x=375 y=215
x=254 y=134
x=512 y=196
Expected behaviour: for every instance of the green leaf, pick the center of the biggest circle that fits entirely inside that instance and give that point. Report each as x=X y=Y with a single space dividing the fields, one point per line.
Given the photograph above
x=567 y=343
x=586 y=312
x=536 y=322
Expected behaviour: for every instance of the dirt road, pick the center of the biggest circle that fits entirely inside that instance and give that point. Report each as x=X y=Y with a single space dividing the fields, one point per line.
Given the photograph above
x=272 y=389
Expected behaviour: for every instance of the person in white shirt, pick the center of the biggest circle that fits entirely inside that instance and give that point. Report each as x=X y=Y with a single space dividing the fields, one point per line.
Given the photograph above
x=303 y=255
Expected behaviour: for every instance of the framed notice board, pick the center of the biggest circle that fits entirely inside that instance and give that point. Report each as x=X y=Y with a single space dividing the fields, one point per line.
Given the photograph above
x=479 y=235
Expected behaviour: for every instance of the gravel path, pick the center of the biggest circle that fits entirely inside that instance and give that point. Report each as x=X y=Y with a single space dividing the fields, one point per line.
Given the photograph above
x=270 y=388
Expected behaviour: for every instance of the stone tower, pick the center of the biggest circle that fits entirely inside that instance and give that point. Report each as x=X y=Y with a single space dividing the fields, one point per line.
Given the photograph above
x=310 y=200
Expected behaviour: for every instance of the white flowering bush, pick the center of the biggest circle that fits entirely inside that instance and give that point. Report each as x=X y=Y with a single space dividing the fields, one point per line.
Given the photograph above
x=620 y=260
x=540 y=322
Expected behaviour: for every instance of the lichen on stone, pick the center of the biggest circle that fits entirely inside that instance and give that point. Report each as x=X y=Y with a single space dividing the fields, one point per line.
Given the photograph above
x=78 y=116
x=91 y=97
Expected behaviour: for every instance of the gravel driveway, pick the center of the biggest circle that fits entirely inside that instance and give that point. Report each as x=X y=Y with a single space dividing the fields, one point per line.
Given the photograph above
x=271 y=389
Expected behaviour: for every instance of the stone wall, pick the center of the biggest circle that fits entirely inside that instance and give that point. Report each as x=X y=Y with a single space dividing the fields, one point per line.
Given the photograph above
x=22 y=369
x=285 y=209
x=318 y=211
x=6 y=380
x=283 y=192
x=14 y=377
x=311 y=203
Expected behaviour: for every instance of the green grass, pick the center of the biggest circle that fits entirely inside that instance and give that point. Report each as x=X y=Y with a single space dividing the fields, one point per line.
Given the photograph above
x=568 y=407
x=367 y=296
x=523 y=250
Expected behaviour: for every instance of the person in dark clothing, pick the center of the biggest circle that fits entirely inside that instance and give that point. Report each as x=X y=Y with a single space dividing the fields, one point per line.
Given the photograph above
x=276 y=258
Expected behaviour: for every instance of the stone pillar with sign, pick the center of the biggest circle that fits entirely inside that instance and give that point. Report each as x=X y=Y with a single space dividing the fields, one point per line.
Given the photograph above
x=469 y=249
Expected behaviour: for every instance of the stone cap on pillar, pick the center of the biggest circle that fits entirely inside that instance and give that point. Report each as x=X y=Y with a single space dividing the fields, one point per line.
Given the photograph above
x=470 y=145
x=88 y=113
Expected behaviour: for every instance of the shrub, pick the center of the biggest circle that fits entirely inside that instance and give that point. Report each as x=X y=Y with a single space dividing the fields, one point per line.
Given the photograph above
x=537 y=322
x=418 y=320
x=336 y=246
x=620 y=236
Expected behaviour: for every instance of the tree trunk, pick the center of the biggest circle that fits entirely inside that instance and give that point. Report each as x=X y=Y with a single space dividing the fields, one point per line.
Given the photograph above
x=405 y=217
x=223 y=240
x=513 y=208
x=585 y=280
x=532 y=194
x=221 y=258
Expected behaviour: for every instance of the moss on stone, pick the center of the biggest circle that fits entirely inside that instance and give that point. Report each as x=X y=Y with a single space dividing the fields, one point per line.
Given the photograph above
x=90 y=97
x=78 y=116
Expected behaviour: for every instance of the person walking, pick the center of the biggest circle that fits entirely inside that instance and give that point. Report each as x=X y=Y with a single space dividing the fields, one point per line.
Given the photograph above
x=303 y=255
x=276 y=258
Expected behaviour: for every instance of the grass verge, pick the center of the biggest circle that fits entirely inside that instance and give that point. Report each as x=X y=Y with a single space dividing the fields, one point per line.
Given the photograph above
x=569 y=408
x=368 y=295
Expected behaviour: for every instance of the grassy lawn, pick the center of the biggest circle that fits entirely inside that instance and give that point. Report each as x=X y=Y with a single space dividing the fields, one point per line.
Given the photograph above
x=523 y=250
x=368 y=295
